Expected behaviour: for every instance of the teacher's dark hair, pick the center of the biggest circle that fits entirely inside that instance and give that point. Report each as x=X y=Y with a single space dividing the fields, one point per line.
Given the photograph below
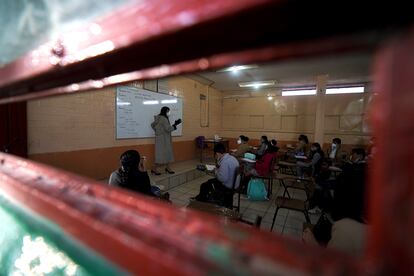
x=164 y=111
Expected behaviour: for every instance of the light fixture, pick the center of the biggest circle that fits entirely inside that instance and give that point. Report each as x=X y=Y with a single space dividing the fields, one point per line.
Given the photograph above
x=123 y=103
x=237 y=68
x=269 y=98
x=299 y=92
x=168 y=101
x=345 y=90
x=150 y=102
x=256 y=84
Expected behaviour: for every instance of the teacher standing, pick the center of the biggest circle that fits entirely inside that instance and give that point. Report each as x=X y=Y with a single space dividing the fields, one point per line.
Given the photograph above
x=163 y=141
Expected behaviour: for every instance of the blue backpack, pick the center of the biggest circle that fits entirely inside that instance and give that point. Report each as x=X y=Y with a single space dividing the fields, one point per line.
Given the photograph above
x=256 y=190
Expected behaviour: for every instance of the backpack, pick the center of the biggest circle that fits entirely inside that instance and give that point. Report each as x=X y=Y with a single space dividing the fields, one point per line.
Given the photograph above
x=256 y=190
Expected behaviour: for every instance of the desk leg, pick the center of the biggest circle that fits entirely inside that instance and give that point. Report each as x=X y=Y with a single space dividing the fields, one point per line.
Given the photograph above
x=201 y=152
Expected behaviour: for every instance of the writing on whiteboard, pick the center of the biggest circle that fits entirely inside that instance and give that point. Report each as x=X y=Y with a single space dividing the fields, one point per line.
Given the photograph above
x=136 y=108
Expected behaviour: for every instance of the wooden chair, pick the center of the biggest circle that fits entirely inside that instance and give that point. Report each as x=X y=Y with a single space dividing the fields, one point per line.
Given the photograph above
x=295 y=204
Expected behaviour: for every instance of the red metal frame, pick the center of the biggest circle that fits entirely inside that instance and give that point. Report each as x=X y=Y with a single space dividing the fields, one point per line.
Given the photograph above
x=156 y=238
x=147 y=236
x=151 y=33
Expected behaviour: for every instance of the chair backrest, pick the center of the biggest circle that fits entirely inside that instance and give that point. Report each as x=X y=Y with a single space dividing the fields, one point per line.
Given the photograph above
x=237 y=178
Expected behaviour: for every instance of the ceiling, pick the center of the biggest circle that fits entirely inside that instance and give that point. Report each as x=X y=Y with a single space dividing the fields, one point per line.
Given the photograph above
x=345 y=69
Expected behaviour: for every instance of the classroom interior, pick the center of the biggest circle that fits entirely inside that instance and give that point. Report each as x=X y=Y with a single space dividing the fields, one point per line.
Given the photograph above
x=73 y=131
x=77 y=132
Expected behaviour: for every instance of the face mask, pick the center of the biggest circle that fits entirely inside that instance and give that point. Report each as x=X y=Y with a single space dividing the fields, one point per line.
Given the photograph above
x=313 y=149
x=239 y=141
x=333 y=146
x=168 y=113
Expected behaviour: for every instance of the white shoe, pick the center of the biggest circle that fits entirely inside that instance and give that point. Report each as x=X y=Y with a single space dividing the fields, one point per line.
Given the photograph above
x=315 y=210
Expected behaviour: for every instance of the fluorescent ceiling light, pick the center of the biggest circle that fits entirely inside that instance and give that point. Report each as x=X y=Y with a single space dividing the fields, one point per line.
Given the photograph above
x=123 y=103
x=299 y=92
x=150 y=102
x=257 y=84
x=168 y=101
x=270 y=98
x=345 y=90
x=237 y=68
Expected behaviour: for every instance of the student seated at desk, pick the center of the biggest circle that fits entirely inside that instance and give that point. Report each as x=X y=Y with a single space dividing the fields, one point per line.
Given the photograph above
x=348 y=232
x=132 y=174
x=243 y=146
x=262 y=167
x=313 y=167
x=302 y=145
x=219 y=189
x=334 y=153
x=264 y=142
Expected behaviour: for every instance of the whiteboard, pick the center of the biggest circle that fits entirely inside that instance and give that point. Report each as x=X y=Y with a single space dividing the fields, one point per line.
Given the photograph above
x=135 y=110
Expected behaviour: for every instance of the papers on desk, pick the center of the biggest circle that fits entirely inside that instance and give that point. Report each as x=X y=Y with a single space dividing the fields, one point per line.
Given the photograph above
x=301 y=157
x=248 y=160
x=210 y=167
x=233 y=150
x=335 y=169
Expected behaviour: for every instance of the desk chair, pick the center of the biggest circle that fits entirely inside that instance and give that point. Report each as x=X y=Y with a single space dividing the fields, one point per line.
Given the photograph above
x=225 y=199
x=295 y=204
x=238 y=174
x=287 y=167
x=292 y=182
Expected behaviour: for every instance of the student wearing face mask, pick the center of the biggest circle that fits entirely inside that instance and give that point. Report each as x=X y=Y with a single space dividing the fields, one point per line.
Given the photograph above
x=163 y=140
x=314 y=165
x=243 y=146
x=220 y=187
x=334 y=151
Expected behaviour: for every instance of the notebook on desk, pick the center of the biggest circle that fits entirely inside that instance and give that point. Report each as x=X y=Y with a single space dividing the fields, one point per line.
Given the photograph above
x=301 y=157
x=210 y=167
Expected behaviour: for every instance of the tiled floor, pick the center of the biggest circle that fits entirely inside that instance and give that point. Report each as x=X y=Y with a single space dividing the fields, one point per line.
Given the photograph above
x=287 y=223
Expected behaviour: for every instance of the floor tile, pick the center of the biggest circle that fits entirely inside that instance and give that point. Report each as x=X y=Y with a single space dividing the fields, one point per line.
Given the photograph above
x=292 y=232
x=280 y=220
x=292 y=222
x=265 y=226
